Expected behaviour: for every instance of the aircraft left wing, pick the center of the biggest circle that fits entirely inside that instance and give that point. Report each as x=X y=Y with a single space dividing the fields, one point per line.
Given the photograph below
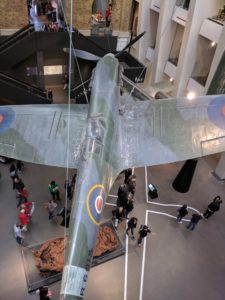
x=169 y=130
x=39 y=133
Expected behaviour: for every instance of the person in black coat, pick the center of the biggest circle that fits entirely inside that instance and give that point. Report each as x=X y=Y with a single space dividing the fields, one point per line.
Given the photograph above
x=132 y=223
x=122 y=196
x=127 y=174
x=43 y=292
x=117 y=216
x=213 y=207
x=182 y=212
x=143 y=232
x=194 y=221
x=129 y=206
x=131 y=184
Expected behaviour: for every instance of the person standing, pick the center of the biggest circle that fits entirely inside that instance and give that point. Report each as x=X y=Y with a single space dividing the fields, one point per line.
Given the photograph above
x=54 y=190
x=28 y=207
x=127 y=174
x=194 y=221
x=18 y=233
x=143 y=232
x=51 y=208
x=213 y=207
x=18 y=183
x=66 y=82
x=13 y=174
x=23 y=219
x=182 y=212
x=122 y=196
x=22 y=195
x=129 y=206
x=68 y=188
x=131 y=184
x=132 y=223
x=117 y=216
x=50 y=94
x=44 y=293
x=19 y=166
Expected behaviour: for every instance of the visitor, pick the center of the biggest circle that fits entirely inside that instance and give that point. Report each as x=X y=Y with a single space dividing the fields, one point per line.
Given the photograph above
x=213 y=207
x=51 y=205
x=182 y=212
x=132 y=223
x=18 y=233
x=54 y=190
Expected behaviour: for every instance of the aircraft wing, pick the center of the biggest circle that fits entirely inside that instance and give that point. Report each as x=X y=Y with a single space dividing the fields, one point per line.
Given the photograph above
x=165 y=131
x=39 y=133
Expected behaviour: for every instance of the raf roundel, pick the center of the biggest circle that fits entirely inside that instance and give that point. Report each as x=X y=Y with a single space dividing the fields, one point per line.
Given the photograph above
x=95 y=203
x=216 y=111
x=7 y=117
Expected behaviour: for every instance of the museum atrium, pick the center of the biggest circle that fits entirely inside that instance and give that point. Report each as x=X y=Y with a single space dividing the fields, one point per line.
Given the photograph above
x=49 y=53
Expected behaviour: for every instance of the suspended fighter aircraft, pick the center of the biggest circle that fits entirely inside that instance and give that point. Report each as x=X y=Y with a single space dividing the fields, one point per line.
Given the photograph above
x=115 y=131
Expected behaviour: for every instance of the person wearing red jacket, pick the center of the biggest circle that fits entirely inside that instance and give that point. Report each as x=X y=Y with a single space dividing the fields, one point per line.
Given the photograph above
x=28 y=207
x=23 y=219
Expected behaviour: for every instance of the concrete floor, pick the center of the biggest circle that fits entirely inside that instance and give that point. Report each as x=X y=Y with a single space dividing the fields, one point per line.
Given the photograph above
x=173 y=264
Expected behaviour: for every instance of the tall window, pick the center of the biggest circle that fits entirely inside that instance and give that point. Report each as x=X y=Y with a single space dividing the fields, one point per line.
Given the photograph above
x=175 y=49
x=205 y=53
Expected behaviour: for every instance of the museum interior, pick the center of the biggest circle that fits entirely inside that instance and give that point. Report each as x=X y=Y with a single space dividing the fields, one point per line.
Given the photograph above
x=166 y=49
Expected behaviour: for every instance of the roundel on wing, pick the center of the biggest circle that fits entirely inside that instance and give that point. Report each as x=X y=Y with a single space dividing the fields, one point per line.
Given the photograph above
x=95 y=202
x=7 y=117
x=216 y=111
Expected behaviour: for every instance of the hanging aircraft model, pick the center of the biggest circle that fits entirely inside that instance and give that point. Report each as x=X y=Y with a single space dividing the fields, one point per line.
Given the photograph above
x=115 y=131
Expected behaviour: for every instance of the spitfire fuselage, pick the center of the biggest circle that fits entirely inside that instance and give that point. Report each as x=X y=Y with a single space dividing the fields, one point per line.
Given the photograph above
x=94 y=179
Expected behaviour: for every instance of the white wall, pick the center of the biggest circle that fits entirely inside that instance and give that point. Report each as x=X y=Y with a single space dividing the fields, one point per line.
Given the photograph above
x=198 y=11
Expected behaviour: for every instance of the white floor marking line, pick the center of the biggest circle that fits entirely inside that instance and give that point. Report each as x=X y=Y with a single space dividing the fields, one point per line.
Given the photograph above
x=126 y=268
x=143 y=260
x=164 y=214
x=110 y=195
x=172 y=205
x=146 y=184
x=126 y=263
x=111 y=204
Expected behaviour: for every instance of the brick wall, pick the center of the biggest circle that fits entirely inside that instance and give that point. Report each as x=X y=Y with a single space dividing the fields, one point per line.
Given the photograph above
x=13 y=14
x=82 y=11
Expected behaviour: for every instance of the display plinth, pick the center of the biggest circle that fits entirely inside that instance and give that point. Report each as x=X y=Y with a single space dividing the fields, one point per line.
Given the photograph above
x=35 y=278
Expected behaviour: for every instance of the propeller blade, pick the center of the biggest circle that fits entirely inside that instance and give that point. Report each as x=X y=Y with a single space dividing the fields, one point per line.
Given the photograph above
x=130 y=44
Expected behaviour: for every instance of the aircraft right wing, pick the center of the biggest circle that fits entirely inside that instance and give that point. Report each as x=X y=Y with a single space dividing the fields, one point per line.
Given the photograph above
x=165 y=131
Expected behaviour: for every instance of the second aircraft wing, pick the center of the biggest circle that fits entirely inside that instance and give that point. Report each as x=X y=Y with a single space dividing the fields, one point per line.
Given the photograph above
x=165 y=131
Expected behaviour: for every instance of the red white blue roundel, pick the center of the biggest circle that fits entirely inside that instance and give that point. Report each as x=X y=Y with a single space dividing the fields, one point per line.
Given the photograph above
x=216 y=111
x=7 y=117
x=95 y=202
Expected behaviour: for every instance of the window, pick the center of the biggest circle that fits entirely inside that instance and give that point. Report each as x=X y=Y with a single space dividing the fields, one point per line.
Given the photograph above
x=205 y=53
x=175 y=49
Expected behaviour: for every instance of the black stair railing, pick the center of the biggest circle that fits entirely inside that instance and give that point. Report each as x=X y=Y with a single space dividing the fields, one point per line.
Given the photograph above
x=16 y=36
x=23 y=85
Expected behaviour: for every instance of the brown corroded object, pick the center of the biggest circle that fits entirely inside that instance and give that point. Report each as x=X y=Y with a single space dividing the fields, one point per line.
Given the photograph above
x=106 y=241
x=50 y=257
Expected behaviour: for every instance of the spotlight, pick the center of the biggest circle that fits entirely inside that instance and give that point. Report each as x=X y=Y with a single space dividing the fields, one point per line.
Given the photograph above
x=171 y=79
x=213 y=44
x=191 y=95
